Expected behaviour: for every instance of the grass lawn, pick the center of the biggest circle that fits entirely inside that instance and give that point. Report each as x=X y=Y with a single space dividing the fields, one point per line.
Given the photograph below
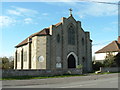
x=44 y=77
x=33 y=77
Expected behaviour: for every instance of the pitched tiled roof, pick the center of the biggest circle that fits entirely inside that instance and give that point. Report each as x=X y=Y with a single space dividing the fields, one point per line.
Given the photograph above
x=112 y=47
x=45 y=31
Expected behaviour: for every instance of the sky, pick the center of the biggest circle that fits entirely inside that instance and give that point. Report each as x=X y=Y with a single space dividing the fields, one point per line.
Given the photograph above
x=18 y=20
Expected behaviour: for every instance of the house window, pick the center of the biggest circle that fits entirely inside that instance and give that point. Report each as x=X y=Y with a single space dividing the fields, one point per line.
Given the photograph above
x=71 y=36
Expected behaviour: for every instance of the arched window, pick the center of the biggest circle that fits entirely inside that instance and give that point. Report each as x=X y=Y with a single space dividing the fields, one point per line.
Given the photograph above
x=82 y=41
x=71 y=35
x=83 y=59
x=58 y=38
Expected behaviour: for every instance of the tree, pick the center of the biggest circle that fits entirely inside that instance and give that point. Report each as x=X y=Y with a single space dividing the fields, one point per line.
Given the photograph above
x=117 y=59
x=6 y=63
x=96 y=65
x=110 y=61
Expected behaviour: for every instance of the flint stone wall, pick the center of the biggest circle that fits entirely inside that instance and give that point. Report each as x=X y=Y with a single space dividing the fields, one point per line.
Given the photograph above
x=110 y=69
x=15 y=73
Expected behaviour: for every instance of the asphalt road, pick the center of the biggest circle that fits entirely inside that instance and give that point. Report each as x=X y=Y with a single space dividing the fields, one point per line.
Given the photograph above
x=90 y=81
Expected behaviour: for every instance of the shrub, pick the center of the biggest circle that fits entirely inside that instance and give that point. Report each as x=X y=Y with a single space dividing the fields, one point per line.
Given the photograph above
x=96 y=65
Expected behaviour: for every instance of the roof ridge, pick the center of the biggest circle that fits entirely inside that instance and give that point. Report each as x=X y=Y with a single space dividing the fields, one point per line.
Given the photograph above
x=32 y=35
x=108 y=47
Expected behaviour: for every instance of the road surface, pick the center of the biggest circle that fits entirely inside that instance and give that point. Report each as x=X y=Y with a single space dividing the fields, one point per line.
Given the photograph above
x=89 y=81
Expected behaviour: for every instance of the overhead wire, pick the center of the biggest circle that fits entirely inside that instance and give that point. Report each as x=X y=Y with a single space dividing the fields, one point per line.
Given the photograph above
x=101 y=43
x=101 y=2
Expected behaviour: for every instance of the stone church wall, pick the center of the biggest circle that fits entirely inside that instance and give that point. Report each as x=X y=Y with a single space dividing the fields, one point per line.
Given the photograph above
x=81 y=45
x=58 y=47
x=39 y=51
x=88 y=52
x=19 y=52
x=25 y=61
x=19 y=58
x=33 y=55
x=48 y=52
x=53 y=47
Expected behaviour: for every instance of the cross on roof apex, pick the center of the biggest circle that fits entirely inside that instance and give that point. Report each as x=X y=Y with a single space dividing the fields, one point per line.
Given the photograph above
x=70 y=11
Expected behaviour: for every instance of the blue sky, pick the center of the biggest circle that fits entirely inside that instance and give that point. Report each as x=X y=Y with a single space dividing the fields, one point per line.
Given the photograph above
x=18 y=20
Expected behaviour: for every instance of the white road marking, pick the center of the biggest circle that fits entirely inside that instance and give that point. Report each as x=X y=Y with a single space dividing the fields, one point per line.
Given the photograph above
x=71 y=86
x=78 y=85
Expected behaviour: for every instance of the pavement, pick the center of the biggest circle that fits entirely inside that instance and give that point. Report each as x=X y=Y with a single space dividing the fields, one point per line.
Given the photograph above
x=89 y=81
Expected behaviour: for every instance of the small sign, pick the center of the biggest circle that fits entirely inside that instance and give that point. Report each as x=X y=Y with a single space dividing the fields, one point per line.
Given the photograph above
x=58 y=65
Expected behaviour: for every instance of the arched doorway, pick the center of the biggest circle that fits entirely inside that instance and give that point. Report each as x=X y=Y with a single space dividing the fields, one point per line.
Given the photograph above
x=71 y=61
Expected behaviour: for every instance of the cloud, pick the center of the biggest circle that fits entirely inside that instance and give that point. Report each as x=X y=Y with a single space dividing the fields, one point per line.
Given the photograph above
x=105 y=0
x=108 y=29
x=28 y=20
x=115 y=23
x=21 y=15
x=98 y=10
x=18 y=11
x=45 y=14
x=13 y=12
x=6 y=21
x=87 y=8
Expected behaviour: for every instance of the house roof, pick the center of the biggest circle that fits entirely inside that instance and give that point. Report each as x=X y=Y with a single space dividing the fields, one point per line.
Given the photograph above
x=112 y=47
x=43 y=32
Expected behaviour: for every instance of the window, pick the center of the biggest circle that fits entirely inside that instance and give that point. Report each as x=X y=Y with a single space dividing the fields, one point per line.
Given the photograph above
x=71 y=35
x=58 y=38
x=18 y=57
x=83 y=59
x=25 y=56
x=82 y=41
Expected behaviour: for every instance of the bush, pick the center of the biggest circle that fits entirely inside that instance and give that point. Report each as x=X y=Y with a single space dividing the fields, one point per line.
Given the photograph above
x=96 y=65
x=79 y=66
x=117 y=59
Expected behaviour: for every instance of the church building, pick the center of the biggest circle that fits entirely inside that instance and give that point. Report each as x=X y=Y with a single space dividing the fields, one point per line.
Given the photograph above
x=64 y=45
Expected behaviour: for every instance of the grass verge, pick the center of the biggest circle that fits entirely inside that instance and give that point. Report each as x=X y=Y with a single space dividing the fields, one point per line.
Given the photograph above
x=45 y=77
x=36 y=77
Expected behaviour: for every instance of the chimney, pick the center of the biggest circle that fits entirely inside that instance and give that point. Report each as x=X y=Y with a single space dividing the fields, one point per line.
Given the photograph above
x=119 y=39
